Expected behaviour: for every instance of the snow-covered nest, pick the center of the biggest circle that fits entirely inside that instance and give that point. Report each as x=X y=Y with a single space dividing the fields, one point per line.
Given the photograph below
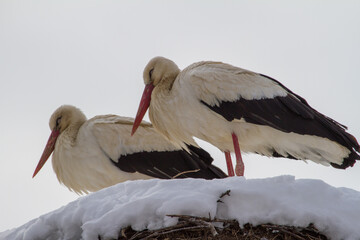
x=145 y=204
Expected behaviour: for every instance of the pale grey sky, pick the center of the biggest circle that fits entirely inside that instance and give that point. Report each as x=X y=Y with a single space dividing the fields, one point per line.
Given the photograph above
x=91 y=54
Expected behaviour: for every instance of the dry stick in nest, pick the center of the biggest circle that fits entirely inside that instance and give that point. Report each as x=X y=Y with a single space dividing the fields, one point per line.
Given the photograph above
x=138 y=235
x=207 y=219
x=296 y=232
x=143 y=235
x=283 y=229
x=158 y=234
x=185 y=172
x=199 y=221
x=227 y=193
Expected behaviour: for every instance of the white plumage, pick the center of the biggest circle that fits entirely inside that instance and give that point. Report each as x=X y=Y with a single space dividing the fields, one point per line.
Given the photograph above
x=93 y=154
x=218 y=103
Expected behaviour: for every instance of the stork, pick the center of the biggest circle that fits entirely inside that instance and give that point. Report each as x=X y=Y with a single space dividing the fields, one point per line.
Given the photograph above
x=240 y=110
x=93 y=154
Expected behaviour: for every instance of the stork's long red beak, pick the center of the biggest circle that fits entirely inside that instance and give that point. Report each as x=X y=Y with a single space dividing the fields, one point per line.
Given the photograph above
x=143 y=106
x=49 y=148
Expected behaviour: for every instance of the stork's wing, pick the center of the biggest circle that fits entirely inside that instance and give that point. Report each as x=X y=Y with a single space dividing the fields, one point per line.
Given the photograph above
x=149 y=153
x=214 y=82
x=169 y=164
x=238 y=94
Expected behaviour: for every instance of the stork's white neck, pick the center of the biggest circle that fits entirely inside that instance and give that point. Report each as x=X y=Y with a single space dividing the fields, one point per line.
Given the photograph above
x=164 y=108
x=62 y=159
x=70 y=134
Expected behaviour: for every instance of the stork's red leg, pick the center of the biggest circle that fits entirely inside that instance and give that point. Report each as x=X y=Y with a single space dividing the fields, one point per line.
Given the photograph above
x=240 y=167
x=229 y=164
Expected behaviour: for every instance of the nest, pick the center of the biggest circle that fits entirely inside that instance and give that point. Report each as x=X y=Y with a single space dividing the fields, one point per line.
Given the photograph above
x=191 y=227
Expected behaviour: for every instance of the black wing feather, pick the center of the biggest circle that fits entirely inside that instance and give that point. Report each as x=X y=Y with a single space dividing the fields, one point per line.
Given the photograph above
x=290 y=113
x=301 y=99
x=168 y=164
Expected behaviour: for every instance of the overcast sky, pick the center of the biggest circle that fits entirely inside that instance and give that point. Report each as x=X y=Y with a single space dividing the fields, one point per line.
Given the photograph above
x=91 y=54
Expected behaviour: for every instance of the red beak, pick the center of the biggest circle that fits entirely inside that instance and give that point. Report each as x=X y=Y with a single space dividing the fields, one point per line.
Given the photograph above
x=143 y=106
x=49 y=148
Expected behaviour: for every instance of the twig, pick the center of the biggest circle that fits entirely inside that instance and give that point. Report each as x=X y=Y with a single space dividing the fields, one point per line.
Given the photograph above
x=136 y=235
x=185 y=172
x=156 y=234
x=123 y=234
x=282 y=229
x=201 y=218
x=203 y=223
x=145 y=232
x=227 y=193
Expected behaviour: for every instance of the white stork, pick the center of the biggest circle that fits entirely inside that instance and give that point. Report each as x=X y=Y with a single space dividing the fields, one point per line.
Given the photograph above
x=93 y=154
x=233 y=109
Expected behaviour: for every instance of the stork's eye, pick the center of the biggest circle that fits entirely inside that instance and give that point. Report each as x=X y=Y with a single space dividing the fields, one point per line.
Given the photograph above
x=58 y=120
x=150 y=73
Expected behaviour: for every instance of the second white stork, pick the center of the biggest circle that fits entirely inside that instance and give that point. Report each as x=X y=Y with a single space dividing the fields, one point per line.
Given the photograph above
x=240 y=110
x=93 y=154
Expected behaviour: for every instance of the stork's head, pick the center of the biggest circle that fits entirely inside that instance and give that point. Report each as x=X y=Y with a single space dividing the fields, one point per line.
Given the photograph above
x=160 y=69
x=158 y=72
x=60 y=120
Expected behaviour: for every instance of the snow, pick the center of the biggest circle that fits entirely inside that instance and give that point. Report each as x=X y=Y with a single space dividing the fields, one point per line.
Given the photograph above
x=144 y=204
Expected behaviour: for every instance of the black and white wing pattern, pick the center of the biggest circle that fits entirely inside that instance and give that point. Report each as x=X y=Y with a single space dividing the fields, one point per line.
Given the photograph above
x=149 y=153
x=237 y=94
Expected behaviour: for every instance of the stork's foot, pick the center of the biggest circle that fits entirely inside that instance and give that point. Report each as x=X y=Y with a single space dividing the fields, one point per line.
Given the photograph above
x=239 y=169
x=229 y=164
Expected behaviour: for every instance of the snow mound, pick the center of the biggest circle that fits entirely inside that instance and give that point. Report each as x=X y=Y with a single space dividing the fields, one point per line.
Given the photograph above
x=144 y=204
